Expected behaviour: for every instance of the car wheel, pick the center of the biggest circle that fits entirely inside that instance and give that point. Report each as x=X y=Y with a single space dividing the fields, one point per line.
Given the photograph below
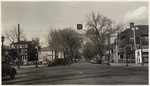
x=12 y=75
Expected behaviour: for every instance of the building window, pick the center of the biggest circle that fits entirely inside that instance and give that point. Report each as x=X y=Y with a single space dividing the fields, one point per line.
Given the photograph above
x=15 y=46
x=22 y=45
x=121 y=56
x=145 y=41
x=26 y=45
x=131 y=40
x=138 y=39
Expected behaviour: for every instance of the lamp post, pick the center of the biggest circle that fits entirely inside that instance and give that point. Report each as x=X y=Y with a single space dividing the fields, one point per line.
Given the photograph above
x=135 y=28
x=36 y=56
x=134 y=36
x=2 y=39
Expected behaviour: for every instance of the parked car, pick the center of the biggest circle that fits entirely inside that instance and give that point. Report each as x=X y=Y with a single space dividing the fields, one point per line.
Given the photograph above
x=7 y=69
x=96 y=60
x=131 y=60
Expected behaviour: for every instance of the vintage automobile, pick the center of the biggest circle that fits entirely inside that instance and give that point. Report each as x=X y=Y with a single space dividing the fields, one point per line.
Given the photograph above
x=96 y=60
x=7 y=69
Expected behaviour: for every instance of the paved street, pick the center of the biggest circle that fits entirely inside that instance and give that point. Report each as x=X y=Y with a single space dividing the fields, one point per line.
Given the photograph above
x=80 y=73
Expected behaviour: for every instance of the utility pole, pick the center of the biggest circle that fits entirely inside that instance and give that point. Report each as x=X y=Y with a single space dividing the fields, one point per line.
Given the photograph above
x=134 y=39
x=104 y=49
x=18 y=45
x=141 y=50
x=109 y=49
x=36 y=57
x=116 y=51
x=37 y=50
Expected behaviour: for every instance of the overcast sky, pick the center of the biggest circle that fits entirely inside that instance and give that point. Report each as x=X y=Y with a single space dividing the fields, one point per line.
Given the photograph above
x=36 y=18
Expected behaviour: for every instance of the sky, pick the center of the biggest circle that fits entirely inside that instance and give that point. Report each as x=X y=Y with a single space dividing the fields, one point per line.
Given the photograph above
x=36 y=18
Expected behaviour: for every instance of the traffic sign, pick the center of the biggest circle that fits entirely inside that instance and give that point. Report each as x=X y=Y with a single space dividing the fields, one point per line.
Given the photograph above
x=79 y=26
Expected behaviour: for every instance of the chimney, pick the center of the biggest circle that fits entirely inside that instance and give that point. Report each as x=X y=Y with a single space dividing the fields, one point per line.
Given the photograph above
x=131 y=25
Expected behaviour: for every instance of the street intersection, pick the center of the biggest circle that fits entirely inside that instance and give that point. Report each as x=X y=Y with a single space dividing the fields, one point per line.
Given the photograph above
x=80 y=73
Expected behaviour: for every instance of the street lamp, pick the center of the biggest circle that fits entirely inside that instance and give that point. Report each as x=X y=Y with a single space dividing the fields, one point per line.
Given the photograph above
x=136 y=28
x=2 y=39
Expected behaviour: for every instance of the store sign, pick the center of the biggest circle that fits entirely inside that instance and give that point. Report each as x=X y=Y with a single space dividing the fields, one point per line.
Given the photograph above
x=23 y=52
x=145 y=50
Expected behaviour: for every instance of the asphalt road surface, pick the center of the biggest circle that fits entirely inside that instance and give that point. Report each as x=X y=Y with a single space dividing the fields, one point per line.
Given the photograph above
x=80 y=73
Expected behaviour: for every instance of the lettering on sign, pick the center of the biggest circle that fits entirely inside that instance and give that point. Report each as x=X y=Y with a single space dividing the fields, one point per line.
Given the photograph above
x=23 y=52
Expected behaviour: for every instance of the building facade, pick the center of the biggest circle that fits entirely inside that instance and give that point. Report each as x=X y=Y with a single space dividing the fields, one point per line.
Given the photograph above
x=23 y=49
x=27 y=50
x=138 y=47
x=47 y=54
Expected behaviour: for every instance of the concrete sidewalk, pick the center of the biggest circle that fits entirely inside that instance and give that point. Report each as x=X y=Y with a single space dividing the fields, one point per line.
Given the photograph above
x=111 y=64
x=130 y=64
x=30 y=66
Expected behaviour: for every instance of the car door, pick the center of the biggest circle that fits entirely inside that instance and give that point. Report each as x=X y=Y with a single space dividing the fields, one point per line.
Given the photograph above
x=5 y=69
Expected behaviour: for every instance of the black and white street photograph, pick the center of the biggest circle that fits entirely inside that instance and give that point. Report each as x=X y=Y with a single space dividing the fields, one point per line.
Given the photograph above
x=72 y=42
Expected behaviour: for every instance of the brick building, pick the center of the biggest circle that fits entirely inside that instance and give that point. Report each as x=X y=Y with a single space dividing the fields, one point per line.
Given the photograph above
x=126 y=38
x=27 y=50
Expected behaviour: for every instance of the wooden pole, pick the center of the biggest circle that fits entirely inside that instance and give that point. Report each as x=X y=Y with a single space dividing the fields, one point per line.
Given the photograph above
x=109 y=49
x=19 y=46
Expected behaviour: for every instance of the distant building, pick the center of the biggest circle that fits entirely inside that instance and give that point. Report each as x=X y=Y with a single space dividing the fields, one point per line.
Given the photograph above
x=126 y=38
x=27 y=50
x=47 y=54
x=23 y=49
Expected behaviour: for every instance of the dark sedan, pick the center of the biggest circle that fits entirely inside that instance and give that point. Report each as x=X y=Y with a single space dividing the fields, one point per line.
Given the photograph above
x=7 y=69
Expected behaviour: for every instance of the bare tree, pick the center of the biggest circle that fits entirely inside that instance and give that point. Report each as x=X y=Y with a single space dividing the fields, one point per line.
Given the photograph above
x=100 y=28
x=12 y=35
